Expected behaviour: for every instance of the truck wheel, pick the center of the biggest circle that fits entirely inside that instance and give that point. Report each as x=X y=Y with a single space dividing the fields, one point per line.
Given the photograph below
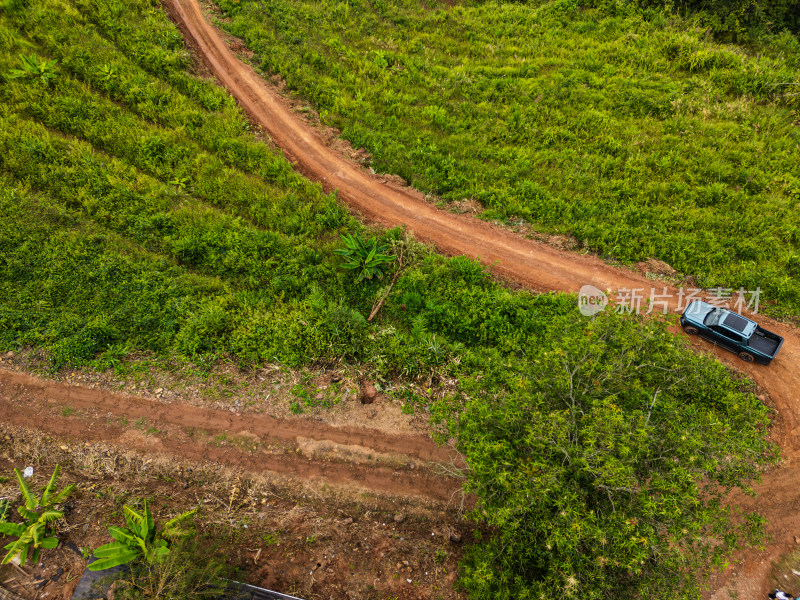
x=746 y=356
x=691 y=330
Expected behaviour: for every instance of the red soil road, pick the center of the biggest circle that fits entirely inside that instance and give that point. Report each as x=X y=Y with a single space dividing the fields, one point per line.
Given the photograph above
x=531 y=264
x=16 y=386
x=534 y=265
x=29 y=402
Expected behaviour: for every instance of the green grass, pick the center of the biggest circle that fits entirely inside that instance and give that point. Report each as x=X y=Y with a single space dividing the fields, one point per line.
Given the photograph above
x=139 y=213
x=633 y=132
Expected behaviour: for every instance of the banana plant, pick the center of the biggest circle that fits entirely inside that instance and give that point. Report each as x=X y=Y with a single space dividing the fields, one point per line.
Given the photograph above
x=140 y=540
x=37 y=513
x=33 y=67
x=365 y=257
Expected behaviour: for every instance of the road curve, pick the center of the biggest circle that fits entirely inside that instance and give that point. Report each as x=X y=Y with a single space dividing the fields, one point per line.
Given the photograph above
x=531 y=264
x=534 y=265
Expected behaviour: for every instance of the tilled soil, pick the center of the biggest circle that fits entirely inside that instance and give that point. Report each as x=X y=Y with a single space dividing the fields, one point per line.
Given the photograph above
x=310 y=540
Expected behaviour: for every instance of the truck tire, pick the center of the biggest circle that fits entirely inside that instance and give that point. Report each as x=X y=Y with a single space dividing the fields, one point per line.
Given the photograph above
x=746 y=356
x=691 y=330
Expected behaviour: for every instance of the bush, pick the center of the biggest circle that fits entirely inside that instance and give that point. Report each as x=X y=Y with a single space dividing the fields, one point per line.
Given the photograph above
x=38 y=515
x=602 y=464
x=734 y=19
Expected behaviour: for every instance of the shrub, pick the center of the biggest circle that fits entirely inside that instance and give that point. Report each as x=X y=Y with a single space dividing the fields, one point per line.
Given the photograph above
x=33 y=67
x=140 y=540
x=37 y=514
x=366 y=258
x=734 y=19
x=602 y=470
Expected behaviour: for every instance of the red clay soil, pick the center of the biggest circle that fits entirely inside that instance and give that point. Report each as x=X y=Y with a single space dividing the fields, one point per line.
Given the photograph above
x=104 y=416
x=15 y=386
x=531 y=264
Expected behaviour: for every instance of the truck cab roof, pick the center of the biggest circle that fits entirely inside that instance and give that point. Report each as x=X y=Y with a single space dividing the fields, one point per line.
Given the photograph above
x=731 y=331
x=711 y=315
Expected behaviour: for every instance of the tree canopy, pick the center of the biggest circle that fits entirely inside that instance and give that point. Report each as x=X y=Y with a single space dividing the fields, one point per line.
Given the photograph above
x=603 y=465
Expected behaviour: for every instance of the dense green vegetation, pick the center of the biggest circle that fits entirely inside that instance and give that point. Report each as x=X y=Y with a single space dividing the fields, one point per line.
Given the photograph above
x=632 y=131
x=138 y=212
x=738 y=19
x=139 y=217
x=603 y=465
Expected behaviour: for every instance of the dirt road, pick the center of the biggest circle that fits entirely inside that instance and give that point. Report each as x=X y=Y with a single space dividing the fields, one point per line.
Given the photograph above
x=298 y=448
x=531 y=264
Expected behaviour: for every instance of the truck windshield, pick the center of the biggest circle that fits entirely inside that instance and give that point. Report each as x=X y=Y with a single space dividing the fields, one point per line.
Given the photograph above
x=713 y=317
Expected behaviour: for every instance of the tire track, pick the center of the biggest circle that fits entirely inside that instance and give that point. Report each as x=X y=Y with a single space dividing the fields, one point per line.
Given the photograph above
x=16 y=386
x=30 y=402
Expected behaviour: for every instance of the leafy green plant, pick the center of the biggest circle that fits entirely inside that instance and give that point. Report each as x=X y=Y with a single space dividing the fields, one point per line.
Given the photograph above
x=34 y=67
x=366 y=258
x=37 y=514
x=191 y=571
x=140 y=540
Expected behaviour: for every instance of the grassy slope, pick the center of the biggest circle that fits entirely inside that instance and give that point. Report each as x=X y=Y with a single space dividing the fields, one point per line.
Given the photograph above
x=639 y=137
x=141 y=214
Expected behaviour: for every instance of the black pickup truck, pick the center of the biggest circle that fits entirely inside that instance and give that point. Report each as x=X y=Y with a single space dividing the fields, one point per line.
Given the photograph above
x=732 y=331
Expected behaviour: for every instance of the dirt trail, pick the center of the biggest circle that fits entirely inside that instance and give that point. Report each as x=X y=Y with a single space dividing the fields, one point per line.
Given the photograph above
x=30 y=402
x=532 y=264
x=15 y=386
x=529 y=263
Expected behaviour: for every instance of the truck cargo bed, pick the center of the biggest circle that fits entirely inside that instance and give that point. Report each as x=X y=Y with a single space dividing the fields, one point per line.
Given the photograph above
x=764 y=341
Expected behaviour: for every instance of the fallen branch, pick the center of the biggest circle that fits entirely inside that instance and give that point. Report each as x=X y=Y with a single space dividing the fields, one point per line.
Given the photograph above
x=379 y=303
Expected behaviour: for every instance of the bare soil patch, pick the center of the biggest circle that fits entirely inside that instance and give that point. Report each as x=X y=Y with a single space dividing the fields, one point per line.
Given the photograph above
x=266 y=390
x=254 y=442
